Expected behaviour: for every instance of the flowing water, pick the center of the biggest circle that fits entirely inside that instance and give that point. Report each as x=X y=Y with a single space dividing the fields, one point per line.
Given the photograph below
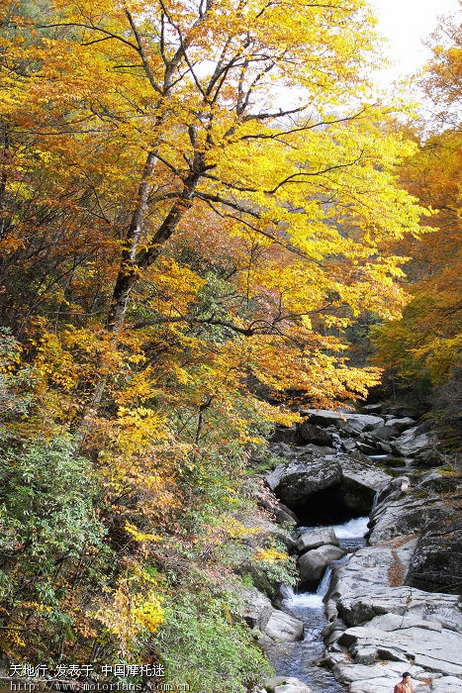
x=300 y=659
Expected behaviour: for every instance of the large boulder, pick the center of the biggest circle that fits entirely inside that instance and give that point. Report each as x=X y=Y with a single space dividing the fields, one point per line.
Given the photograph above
x=400 y=424
x=360 y=482
x=313 y=563
x=314 y=538
x=257 y=608
x=296 y=482
x=385 y=432
x=438 y=481
x=429 y=649
x=285 y=434
x=409 y=504
x=284 y=627
x=259 y=613
x=323 y=417
x=345 y=421
x=414 y=441
x=352 y=483
x=310 y=433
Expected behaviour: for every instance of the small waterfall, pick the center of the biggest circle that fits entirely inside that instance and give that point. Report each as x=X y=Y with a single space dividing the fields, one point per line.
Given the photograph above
x=300 y=658
x=353 y=529
x=312 y=600
x=375 y=501
x=350 y=535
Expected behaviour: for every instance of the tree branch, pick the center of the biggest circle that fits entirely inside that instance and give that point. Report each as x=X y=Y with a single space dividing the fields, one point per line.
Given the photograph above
x=292 y=178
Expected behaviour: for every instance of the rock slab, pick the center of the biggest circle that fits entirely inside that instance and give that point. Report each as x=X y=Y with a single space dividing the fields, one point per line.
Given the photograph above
x=286 y=684
x=313 y=563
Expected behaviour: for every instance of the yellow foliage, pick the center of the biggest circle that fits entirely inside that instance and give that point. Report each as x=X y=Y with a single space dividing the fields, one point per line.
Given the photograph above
x=141 y=536
x=270 y=556
x=236 y=530
x=128 y=612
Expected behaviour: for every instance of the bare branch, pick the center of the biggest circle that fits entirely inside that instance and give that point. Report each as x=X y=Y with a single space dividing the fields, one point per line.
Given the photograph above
x=266 y=234
x=91 y=27
x=140 y=49
x=295 y=176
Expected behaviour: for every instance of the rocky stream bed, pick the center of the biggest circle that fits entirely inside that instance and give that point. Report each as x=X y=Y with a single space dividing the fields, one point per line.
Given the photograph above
x=392 y=603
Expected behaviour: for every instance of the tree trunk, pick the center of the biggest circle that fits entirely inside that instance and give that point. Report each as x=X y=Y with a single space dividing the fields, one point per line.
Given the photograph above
x=128 y=272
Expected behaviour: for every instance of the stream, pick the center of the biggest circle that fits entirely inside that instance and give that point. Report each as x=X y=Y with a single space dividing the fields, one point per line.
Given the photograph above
x=300 y=659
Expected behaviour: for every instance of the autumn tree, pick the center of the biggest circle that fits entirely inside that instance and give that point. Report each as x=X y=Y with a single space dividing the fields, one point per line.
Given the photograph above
x=197 y=199
x=192 y=125
x=424 y=347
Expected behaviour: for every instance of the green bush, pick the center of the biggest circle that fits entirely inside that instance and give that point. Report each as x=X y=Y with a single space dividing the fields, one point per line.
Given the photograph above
x=202 y=645
x=51 y=544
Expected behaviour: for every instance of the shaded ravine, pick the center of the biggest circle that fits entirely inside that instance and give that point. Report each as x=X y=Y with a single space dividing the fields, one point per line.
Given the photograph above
x=300 y=659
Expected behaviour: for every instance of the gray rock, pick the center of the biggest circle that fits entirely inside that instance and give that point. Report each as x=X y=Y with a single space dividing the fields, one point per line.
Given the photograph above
x=285 y=434
x=280 y=511
x=323 y=417
x=348 y=444
x=284 y=627
x=351 y=427
x=406 y=510
x=439 y=481
x=390 y=622
x=358 y=482
x=310 y=451
x=367 y=448
x=285 y=515
x=374 y=408
x=414 y=441
x=437 y=561
x=312 y=563
x=428 y=458
x=386 y=432
x=257 y=609
x=366 y=421
x=280 y=450
x=310 y=433
x=447 y=684
x=400 y=424
x=377 y=685
x=385 y=447
x=364 y=475
x=286 y=684
x=316 y=537
x=437 y=651
x=295 y=482
x=347 y=671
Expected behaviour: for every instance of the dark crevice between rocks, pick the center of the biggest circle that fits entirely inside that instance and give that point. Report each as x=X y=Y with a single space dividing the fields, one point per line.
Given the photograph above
x=334 y=505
